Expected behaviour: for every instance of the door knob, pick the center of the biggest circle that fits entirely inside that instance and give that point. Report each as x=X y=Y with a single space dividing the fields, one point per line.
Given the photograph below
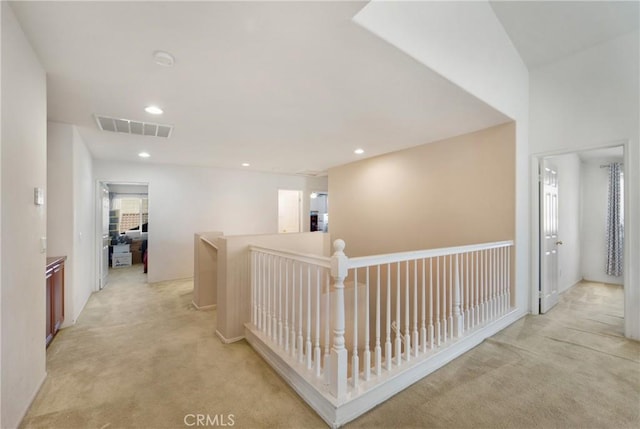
x=559 y=242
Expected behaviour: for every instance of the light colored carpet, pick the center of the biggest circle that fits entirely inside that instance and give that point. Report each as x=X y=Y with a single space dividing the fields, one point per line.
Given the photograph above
x=141 y=356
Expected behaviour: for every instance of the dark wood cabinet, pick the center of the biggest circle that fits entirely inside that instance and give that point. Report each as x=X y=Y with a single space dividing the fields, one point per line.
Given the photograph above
x=55 y=296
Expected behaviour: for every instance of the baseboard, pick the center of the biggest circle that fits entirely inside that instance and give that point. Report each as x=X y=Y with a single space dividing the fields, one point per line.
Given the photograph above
x=229 y=340
x=204 y=307
x=33 y=397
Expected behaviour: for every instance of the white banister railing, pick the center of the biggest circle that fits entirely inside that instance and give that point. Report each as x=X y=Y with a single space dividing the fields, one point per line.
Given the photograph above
x=358 y=318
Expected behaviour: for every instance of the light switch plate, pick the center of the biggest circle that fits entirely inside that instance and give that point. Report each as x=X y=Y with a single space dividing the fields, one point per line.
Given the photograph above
x=38 y=196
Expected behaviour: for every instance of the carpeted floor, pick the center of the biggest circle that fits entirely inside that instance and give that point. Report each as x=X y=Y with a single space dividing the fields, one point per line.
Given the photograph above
x=141 y=356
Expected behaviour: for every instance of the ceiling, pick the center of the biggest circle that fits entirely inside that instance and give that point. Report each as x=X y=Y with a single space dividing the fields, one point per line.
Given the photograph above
x=546 y=31
x=288 y=87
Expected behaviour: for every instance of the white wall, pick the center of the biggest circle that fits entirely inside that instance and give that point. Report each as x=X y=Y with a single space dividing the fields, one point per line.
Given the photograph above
x=83 y=227
x=466 y=44
x=70 y=213
x=186 y=200
x=590 y=100
x=24 y=163
x=595 y=190
x=569 y=220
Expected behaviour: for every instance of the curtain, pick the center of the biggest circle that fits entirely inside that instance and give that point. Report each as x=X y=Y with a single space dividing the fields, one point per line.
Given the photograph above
x=615 y=224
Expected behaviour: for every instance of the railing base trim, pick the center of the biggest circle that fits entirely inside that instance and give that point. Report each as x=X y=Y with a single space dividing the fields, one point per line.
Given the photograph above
x=335 y=413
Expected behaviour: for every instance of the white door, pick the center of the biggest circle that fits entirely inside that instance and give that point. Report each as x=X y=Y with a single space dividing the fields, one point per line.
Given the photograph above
x=289 y=211
x=548 y=237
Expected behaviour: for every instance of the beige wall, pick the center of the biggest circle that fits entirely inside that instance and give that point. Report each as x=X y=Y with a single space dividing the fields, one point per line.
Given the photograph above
x=452 y=192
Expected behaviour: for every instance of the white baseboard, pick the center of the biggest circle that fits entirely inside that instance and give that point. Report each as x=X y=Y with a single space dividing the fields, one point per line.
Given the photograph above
x=229 y=340
x=204 y=307
x=33 y=397
x=337 y=413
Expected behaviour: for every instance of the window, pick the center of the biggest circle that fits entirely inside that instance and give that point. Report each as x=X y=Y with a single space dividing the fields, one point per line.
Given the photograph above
x=133 y=213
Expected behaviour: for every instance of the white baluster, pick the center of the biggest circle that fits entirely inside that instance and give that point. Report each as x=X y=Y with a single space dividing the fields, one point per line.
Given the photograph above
x=458 y=320
x=476 y=287
x=407 y=336
x=280 y=301
x=414 y=339
x=293 y=309
x=467 y=300
x=327 y=324
x=274 y=300
x=451 y=303
x=355 y=363
x=482 y=289
x=367 y=351
x=300 y=345
x=252 y=259
x=387 y=343
x=378 y=348
x=308 y=333
x=339 y=267
x=286 y=305
x=317 y=355
x=445 y=331
x=259 y=290
x=509 y=278
x=423 y=327
x=438 y=330
x=398 y=342
x=268 y=287
x=430 y=333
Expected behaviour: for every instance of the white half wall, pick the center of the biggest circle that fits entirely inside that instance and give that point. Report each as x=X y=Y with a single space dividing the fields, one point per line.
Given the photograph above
x=186 y=200
x=24 y=167
x=590 y=100
x=569 y=220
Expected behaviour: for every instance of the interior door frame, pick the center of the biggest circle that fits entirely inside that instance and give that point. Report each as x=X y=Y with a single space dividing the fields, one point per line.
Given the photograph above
x=631 y=291
x=98 y=222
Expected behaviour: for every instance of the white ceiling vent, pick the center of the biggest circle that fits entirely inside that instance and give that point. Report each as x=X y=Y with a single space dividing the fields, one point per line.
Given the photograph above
x=311 y=173
x=128 y=126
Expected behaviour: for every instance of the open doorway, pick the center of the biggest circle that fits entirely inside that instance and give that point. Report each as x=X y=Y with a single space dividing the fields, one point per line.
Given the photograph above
x=580 y=238
x=124 y=232
x=319 y=212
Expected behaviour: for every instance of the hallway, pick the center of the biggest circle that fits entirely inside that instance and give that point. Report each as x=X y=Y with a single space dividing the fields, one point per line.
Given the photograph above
x=141 y=356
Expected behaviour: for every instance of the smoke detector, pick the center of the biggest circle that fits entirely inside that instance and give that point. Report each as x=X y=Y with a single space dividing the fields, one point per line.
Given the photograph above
x=163 y=58
x=129 y=126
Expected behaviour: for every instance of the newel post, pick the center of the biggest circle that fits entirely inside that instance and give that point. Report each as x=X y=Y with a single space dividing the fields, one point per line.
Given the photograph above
x=338 y=366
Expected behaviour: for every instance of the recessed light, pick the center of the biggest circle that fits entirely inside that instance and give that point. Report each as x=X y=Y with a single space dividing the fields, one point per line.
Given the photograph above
x=163 y=58
x=245 y=164
x=358 y=151
x=154 y=110
x=144 y=155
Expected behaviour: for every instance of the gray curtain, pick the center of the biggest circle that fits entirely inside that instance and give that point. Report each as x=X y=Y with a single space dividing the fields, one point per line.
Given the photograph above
x=615 y=227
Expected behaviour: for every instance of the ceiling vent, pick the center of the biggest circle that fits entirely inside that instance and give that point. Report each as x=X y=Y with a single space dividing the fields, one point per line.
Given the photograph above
x=311 y=173
x=128 y=126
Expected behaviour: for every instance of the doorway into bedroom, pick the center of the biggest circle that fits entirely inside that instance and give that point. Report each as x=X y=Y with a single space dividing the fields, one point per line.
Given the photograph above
x=581 y=239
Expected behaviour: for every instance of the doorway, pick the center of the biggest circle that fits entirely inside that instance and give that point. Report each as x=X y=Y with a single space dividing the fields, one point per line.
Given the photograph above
x=572 y=234
x=289 y=211
x=319 y=211
x=123 y=227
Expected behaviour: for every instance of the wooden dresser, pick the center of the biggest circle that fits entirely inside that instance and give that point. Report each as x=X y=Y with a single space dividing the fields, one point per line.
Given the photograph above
x=55 y=295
